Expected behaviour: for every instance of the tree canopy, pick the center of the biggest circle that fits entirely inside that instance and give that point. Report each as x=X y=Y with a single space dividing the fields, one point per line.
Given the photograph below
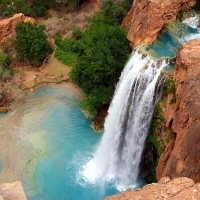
x=31 y=42
x=103 y=51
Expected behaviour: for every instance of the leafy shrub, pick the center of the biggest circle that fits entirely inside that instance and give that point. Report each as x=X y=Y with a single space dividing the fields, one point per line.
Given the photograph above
x=96 y=99
x=114 y=11
x=31 y=42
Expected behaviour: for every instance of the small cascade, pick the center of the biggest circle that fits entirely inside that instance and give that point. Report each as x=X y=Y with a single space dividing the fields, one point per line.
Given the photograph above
x=118 y=155
x=192 y=21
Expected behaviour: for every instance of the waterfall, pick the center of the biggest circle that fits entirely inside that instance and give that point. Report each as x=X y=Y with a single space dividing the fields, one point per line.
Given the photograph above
x=118 y=155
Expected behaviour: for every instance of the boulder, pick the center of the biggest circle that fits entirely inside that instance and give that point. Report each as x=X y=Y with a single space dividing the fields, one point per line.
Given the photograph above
x=12 y=191
x=166 y=189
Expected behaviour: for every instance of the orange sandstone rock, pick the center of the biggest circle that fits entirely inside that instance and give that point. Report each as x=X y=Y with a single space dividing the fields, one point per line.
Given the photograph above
x=166 y=189
x=12 y=191
x=147 y=17
x=7 y=26
x=183 y=157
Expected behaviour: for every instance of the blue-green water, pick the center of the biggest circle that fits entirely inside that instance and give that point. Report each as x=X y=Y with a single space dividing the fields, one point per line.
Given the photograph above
x=166 y=46
x=52 y=114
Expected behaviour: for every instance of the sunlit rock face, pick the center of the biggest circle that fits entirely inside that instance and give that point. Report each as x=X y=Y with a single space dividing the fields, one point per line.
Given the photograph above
x=147 y=17
x=182 y=158
x=176 y=189
x=7 y=26
x=11 y=191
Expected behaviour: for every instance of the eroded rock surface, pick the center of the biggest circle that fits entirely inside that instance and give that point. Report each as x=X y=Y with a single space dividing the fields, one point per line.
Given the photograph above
x=166 y=189
x=147 y=17
x=12 y=191
x=7 y=26
x=183 y=157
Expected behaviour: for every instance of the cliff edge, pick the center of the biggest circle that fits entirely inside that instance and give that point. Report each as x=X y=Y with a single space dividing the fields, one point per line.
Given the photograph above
x=147 y=17
x=184 y=119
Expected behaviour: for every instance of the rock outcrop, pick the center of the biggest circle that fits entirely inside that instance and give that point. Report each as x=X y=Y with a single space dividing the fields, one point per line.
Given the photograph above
x=7 y=26
x=147 y=17
x=166 y=189
x=12 y=191
x=183 y=157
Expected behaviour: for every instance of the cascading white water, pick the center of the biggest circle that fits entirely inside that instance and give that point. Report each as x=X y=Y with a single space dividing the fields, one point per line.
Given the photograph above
x=118 y=155
x=192 y=21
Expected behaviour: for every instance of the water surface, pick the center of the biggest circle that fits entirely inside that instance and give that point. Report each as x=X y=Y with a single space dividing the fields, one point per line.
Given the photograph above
x=50 y=140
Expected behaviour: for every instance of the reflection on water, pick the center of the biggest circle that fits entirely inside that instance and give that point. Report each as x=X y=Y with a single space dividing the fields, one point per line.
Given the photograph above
x=45 y=141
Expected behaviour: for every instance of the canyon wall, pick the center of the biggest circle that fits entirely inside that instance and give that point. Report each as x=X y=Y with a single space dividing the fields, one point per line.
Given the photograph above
x=182 y=158
x=147 y=17
x=7 y=26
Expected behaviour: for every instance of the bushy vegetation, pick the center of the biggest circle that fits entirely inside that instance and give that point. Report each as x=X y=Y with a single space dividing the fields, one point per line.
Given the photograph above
x=6 y=69
x=31 y=8
x=154 y=146
x=31 y=42
x=101 y=51
x=67 y=50
x=197 y=6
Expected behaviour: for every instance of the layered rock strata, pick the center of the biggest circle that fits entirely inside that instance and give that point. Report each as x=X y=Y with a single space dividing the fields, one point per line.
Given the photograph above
x=7 y=26
x=183 y=157
x=166 y=189
x=147 y=17
x=12 y=191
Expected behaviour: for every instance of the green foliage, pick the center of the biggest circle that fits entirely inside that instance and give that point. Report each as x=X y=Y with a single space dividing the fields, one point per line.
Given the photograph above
x=197 y=6
x=77 y=34
x=6 y=69
x=114 y=11
x=154 y=146
x=169 y=87
x=101 y=52
x=127 y=4
x=96 y=99
x=172 y=101
x=31 y=42
x=67 y=51
x=38 y=8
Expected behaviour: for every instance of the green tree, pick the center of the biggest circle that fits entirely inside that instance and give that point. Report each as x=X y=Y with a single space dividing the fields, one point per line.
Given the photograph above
x=104 y=50
x=31 y=42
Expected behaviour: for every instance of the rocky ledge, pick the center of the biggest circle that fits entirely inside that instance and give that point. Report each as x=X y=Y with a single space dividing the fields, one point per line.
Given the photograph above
x=12 y=191
x=147 y=17
x=166 y=189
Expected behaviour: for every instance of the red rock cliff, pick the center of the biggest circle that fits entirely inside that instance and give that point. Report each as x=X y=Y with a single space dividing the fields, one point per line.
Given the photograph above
x=183 y=158
x=147 y=17
x=7 y=26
